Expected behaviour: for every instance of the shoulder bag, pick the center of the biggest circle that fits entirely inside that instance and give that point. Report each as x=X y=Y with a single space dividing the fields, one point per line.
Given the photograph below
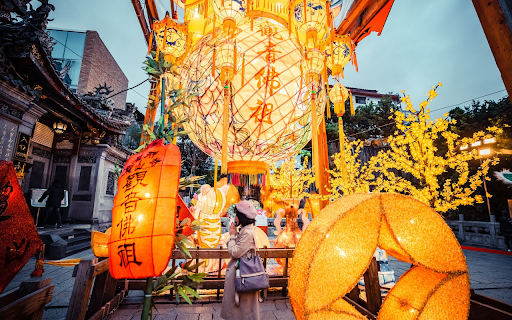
x=251 y=276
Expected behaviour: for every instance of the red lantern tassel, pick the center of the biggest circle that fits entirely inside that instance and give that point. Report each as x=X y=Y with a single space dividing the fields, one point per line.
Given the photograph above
x=213 y=63
x=225 y=131
x=354 y=60
x=314 y=133
x=150 y=44
x=243 y=69
x=235 y=61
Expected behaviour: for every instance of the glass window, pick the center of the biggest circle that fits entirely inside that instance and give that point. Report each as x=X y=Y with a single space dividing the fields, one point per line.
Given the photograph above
x=75 y=45
x=61 y=174
x=58 y=48
x=85 y=178
x=360 y=100
x=36 y=175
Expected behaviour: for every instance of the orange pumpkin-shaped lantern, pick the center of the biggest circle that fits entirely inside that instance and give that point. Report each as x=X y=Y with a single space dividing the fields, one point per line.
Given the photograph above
x=144 y=213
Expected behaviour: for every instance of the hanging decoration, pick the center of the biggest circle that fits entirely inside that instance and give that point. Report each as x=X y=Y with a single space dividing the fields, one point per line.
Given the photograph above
x=339 y=52
x=144 y=213
x=290 y=235
x=310 y=18
x=314 y=65
x=339 y=95
x=171 y=38
x=339 y=242
x=210 y=205
x=19 y=239
x=99 y=242
x=230 y=13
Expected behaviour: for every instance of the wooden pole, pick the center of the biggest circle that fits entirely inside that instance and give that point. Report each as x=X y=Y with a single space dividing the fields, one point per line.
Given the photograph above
x=215 y=174
x=147 y=299
x=496 y=19
x=162 y=107
x=149 y=118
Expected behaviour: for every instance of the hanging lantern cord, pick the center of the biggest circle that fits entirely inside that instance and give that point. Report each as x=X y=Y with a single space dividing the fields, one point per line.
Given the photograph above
x=162 y=107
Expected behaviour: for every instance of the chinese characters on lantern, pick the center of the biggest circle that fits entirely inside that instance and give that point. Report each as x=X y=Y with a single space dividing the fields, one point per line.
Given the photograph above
x=267 y=76
x=144 y=213
x=134 y=182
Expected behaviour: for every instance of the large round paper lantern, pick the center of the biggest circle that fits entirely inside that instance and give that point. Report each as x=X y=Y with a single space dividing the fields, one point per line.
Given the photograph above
x=269 y=107
x=338 y=246
x=144 y=213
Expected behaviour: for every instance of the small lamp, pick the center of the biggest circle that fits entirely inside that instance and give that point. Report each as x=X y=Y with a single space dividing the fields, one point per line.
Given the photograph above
x=314 y=66
x=59 y=127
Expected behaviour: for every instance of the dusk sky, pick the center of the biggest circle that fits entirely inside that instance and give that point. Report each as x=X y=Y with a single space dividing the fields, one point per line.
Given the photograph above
x=423 y=43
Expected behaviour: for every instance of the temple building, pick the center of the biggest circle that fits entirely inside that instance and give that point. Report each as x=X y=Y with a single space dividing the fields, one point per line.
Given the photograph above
x=62 y=113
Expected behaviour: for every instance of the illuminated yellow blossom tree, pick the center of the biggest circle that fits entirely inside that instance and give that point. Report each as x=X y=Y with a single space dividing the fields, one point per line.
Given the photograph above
x=413 y=150
x=290 y=182
x=350 y=175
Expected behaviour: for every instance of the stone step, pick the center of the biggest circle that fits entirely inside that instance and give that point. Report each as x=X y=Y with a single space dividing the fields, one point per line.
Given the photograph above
x=70 y=250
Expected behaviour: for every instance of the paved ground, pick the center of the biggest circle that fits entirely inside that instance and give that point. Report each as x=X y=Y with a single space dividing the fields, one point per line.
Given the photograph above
x=490 y=274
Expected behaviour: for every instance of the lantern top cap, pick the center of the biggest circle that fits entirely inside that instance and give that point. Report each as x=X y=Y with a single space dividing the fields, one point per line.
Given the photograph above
x=247 y=209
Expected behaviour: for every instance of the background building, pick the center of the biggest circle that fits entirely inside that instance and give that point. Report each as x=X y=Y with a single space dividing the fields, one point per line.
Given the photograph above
x=85 y=62
x=365 y=96
x=56 y=118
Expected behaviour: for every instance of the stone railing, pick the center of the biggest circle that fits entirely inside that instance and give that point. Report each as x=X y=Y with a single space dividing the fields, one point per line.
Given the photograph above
x=478 y=233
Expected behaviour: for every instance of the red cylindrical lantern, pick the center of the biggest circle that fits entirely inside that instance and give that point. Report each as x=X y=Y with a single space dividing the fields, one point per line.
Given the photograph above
x=144 y=213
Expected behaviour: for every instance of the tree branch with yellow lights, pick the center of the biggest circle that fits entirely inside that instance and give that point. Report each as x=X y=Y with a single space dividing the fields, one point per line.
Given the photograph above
x=413 y=150
x=290 y=182
x=351 y=175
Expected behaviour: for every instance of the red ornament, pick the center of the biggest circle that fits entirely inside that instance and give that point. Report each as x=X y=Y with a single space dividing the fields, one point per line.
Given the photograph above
x=19 y=239
x=144 y=213
x=183 y=213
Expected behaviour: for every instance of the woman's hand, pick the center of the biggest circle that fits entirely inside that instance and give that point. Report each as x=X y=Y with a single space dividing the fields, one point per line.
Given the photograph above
x=232 y=229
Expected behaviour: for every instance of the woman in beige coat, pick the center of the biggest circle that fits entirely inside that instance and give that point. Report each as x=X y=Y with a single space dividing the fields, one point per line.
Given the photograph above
x=240 y=244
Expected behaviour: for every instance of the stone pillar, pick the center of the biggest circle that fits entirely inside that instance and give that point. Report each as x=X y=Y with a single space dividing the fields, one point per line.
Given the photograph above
x=461 y=228
x=492 y=230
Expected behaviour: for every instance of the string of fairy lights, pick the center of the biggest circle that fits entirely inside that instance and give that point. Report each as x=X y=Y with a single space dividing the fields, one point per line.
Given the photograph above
x=392 y=123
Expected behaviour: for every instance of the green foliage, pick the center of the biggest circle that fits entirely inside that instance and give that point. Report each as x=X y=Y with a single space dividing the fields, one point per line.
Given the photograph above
x=131 y=139
x=369 y=121
x=190 y=182
x=157 y=67
x=180 y=283
x=195 y=162
x=479 y=116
